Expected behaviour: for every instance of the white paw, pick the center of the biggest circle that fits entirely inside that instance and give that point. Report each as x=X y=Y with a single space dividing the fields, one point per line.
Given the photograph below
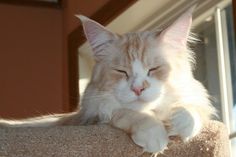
x=185 y=123
x=153 y=139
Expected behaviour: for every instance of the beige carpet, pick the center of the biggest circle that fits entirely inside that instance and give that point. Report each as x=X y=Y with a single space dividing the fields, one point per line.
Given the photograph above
x=103 y=141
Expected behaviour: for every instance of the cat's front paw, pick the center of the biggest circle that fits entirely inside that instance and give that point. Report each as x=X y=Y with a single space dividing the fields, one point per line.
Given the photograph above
x=184 y=123
x=146 y=131
x=153 y=139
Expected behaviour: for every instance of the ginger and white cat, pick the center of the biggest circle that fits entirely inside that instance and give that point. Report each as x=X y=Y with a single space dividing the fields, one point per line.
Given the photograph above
x=142 y=83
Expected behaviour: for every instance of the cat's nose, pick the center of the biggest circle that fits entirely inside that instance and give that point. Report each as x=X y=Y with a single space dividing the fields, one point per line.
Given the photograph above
x=137 y=90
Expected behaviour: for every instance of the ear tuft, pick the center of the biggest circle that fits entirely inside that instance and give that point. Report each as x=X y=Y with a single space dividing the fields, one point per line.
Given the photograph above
x=177 y=33
x=191 y=9
x=97 y=35
x=82 y=17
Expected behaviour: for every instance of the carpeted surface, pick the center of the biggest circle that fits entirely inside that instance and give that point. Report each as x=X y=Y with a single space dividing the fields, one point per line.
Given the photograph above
x=103 y=141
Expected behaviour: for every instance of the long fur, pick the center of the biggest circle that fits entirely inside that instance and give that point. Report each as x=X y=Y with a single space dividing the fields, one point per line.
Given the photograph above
x=142 y=83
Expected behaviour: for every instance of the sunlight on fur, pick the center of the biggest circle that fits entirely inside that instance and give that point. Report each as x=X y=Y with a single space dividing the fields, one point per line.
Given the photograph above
x=83 y=83
x=142 y=83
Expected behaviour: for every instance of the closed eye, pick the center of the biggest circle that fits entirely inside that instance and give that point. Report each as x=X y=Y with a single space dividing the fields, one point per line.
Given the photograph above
x=153 y=69
x=123 y=72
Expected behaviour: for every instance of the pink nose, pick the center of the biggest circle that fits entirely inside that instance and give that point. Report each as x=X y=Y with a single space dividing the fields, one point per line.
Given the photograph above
x=137 y=90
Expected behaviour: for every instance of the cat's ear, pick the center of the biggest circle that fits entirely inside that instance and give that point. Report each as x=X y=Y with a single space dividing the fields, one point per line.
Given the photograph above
x=177 y=33
x=96 y=34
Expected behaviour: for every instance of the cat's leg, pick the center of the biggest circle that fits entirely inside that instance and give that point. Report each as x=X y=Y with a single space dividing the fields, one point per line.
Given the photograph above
x=187 y=121
x=145 y=129
x=184 y=122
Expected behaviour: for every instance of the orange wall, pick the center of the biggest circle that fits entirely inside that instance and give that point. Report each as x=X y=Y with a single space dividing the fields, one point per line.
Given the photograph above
x=34 y=78
x=30 y=61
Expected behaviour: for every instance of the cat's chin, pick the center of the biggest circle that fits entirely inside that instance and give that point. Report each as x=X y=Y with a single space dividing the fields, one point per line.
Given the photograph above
x=140 y=104
x=139 y=99
x=134 y=100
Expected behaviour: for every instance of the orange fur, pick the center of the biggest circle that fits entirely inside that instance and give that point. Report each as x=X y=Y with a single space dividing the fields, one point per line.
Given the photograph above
x=167 y=100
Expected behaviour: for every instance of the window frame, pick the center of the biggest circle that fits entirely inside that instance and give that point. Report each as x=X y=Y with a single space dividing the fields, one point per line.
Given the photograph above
x=35 y=3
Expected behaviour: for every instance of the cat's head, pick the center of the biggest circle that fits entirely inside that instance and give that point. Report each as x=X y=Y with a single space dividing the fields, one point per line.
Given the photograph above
x=136 y=66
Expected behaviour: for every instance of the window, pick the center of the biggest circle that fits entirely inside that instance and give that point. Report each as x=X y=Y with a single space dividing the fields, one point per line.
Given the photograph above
x=216 y=65
x=232 y=56
x=206 y=69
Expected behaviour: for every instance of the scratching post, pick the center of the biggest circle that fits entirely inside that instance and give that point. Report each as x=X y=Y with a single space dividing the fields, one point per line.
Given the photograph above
x=103 y=141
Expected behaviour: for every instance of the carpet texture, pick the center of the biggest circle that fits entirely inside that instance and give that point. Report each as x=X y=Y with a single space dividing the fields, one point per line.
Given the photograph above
x=104 y=141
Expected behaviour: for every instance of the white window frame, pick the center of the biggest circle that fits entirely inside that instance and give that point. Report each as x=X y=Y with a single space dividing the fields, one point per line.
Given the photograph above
x=224 y=67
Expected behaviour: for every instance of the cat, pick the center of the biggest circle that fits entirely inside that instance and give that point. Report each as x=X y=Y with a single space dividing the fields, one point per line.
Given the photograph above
x=142 y=83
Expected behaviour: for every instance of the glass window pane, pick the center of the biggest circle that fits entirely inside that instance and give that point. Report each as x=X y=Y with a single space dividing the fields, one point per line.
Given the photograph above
x=232 y=52
x=206 y=70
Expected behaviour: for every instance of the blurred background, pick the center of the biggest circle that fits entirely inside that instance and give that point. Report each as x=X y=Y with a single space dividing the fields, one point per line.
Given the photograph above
x=45 y=63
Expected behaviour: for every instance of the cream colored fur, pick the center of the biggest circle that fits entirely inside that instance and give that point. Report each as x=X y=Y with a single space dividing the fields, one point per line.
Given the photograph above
x=142 y=83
